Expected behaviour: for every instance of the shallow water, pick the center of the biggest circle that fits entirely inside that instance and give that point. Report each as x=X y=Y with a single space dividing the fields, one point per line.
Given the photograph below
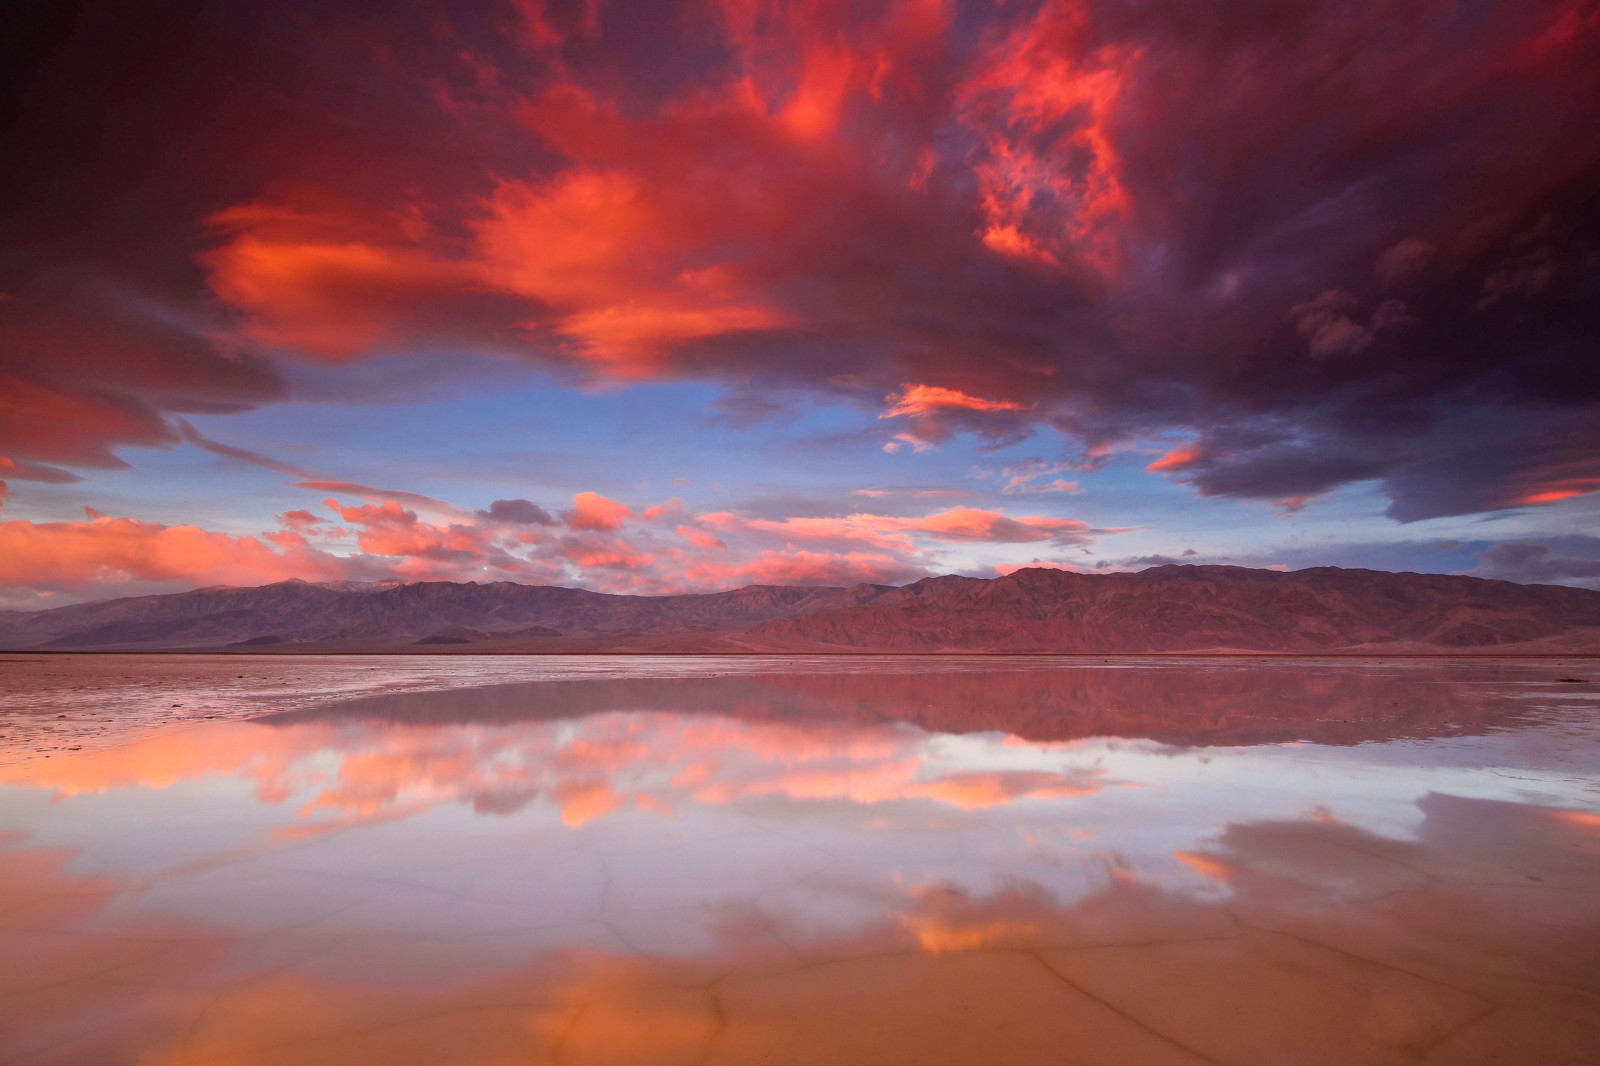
x=813 y=861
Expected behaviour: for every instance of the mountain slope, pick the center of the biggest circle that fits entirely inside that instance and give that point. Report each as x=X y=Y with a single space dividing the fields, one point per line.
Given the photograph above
x=1164 y=609
x=300 y=612
x=1192 y=608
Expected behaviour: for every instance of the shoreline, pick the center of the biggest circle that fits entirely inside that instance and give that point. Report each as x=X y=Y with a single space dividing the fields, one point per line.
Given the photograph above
x=433 y=652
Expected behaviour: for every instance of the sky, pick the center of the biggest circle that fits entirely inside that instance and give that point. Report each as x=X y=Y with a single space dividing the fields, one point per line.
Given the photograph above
x=657 y=297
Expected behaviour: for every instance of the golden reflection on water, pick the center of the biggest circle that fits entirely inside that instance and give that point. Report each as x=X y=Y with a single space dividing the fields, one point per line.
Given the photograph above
x=1010 y=866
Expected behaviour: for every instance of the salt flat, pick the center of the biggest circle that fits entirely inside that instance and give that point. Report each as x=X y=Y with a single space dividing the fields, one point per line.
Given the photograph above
x=880 y=860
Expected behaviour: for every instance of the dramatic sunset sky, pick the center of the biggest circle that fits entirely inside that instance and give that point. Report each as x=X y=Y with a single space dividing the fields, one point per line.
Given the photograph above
x=657 y=297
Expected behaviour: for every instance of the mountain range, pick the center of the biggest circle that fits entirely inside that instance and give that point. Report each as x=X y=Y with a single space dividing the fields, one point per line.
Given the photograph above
x=1165 y=609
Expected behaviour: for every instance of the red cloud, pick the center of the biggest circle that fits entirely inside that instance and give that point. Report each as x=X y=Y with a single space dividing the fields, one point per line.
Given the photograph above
x=306 y=283
x=65 y=424
x=1042 y=102
x=1088 y=215
x=671 y=236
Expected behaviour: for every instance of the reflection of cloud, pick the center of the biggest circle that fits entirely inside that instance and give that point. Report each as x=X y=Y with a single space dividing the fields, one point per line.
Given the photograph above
x=584 y=801
x=1360 y=947
x=1205 y=865
x=943 y=919
x=886 y=781
x=588 y=768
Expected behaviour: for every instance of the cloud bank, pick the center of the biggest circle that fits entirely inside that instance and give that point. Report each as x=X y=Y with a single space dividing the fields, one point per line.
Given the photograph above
x=1305 y=243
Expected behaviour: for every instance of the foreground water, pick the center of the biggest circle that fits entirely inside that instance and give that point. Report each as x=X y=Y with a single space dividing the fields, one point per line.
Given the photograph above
x=876 y=861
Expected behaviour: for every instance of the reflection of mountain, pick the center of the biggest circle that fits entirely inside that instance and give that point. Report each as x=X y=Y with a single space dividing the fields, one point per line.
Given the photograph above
x=1164 y=609
x=1175 y=703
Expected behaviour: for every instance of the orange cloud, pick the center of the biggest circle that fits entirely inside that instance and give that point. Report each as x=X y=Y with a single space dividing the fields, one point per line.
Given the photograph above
x=975 y=524
x=596 y=513
x=425 y=550
x=802 y=568
x=933 y=413
x=698 y=537
x=856 y=528
x=109 y=550
x=1176 y=459
x=1005 y=569
x=594 y=552
x=388 y=513
x=597 y=543
x=894 y=532
x=931 y=399
x=616 y=255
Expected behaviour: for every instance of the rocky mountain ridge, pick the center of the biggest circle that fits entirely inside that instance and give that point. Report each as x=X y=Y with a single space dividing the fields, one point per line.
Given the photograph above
x=1036 y=610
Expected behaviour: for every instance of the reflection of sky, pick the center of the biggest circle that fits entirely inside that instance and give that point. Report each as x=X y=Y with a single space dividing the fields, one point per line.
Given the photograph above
x=692 y=812
x=494 y=874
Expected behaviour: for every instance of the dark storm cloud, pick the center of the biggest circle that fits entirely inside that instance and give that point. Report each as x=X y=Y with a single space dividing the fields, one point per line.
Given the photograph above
x=1568 y=560
x=1143 y=561
x=1311 y=242
x=516 y=512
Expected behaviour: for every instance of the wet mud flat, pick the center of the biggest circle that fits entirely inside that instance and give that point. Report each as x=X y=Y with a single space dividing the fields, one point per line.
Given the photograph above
x=55 y=703
x=792 y=862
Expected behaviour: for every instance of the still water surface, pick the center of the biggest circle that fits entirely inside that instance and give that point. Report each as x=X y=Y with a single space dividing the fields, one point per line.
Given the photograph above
x=893 y=861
